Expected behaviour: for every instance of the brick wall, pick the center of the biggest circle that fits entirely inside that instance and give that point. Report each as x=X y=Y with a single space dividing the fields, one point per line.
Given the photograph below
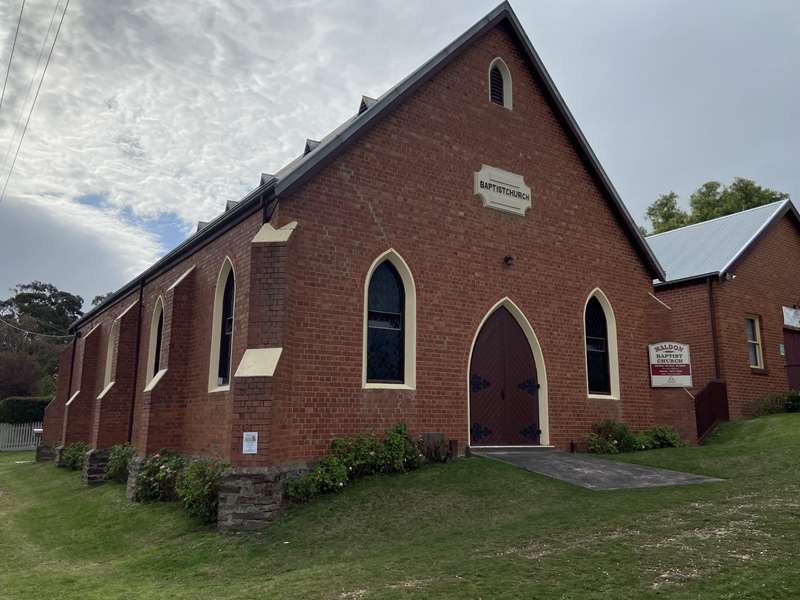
x=766 y=280
x=406 y=184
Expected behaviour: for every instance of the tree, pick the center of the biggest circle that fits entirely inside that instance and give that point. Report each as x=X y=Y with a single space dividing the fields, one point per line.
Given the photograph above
x=36 y=319
x=98 y=300
x=20 y=375
x=712 y=200
x=709 y=201
x=665 y=214
x=53 y=310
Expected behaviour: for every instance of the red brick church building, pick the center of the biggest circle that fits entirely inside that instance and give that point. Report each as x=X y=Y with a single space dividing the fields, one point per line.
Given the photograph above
x=453 y=257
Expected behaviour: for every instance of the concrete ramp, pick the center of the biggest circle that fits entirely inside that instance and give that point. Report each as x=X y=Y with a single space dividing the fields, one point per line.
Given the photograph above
x=589 y=471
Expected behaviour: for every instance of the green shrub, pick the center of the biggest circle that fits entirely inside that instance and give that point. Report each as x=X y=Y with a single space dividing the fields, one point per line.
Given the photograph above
x=119 y=458
x=351 y=458
x=74 y=455
x=770 y=404
x=401 y=452
x=301 y=489
x=363 y=454
x=15 y=409
x=616 y=434
x=197 y=488
x=597 y=444
x=660 y=436
x=610 y=437
x=155 y=481
x=330 y=475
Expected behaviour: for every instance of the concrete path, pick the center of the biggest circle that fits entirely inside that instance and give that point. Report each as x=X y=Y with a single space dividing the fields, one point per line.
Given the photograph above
x=589 y=471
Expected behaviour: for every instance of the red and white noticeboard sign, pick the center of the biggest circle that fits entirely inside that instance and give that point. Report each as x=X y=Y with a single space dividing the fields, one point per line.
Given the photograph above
x=670 y=365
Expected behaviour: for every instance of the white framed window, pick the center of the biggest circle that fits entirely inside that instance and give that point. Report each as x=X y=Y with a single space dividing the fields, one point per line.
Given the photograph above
x=390 y=324
x=600 y=343
x=219 y=373
x=500 y=88
x=753 y=332
x=156 y=339
x=111 y=354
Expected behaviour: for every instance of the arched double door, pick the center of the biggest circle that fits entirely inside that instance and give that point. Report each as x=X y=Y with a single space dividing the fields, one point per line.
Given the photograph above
x=503 y=385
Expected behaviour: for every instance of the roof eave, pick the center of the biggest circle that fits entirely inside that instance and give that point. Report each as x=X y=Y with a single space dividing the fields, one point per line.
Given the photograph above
x=688 y=279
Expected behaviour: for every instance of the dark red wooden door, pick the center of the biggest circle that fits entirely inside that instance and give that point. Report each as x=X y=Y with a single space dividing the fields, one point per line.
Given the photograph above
x=791 y=347
x=504 y=390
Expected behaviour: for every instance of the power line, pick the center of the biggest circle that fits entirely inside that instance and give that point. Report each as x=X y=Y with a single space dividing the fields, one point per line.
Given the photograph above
x=30 y=86
x=10 y=58
x=47 y=335
x=33 y=105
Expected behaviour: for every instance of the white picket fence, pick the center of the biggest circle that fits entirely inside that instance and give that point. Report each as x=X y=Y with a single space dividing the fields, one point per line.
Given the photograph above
x=18 y=436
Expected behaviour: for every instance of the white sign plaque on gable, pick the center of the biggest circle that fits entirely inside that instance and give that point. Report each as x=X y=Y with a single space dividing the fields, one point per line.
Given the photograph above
x=250 y=442
x=670 y=365
x=502 y=190
x=791 y=317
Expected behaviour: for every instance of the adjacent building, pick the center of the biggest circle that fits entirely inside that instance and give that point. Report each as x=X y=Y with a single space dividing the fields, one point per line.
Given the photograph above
x=732 y=292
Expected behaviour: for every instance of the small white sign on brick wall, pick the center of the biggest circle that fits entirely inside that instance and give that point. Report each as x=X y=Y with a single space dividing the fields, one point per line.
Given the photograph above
x=250 y=442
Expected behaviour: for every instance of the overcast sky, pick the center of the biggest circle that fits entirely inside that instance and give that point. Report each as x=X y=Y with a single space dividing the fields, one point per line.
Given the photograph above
x=154 y=113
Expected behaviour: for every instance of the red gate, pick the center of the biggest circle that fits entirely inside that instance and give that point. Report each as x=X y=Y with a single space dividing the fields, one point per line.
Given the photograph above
x=504 y=389
x=791 y=348
x=710 y=407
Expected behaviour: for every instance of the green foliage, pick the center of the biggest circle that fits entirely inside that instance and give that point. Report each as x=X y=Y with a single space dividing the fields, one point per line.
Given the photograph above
x=597 y=444
x=53 y=309
x=197 y=488
x=330 y=475
x=74 y=455
x=782 y=402
x=119 y=458
x=28 y=362
x=363 y=454
x=665 y=214
x=351 y=458
x=99 y=299
x=712 y=199
x=659 y=436
x=401 y=452
x=709 y=201
x=20 y=374
x=617 y=435
x=155 y=481
x=610 y=437
x=23 y=409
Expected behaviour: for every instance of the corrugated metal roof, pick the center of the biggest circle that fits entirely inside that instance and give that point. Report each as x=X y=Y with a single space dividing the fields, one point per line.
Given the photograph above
x=709 y=248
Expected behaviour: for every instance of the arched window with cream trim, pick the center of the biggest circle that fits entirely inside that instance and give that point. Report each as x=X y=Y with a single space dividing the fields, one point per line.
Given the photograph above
x=110 y=353
x=600 y=333
x=222 y=329
x=156 y=337
x=390 y=313
x=500 y=88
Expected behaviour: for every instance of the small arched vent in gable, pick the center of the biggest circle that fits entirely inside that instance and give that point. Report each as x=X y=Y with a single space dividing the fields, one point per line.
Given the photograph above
x=500 y=83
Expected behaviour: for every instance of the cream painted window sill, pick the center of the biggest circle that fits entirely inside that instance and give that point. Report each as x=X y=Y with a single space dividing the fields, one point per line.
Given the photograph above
x=221 y=388
x=154 y=381
x=105 y=391
x=602 y=397
x=388 y=386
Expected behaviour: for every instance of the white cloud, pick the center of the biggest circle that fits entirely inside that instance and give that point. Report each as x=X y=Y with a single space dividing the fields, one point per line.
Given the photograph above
x=77 y=247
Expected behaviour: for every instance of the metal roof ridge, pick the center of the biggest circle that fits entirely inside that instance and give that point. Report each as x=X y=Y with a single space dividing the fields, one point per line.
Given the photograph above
x=741 y=212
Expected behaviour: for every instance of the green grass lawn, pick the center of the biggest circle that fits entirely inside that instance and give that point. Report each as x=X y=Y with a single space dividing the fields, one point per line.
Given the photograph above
x=475 y=528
